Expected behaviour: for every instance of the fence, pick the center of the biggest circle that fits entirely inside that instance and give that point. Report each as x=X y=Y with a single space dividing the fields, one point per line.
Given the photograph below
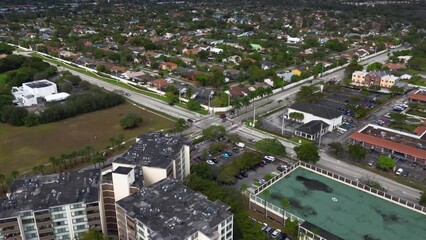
x=365 y=188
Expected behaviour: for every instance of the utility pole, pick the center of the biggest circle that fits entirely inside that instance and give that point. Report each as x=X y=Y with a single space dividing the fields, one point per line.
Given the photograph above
x=319 y=141
x=254 y=115
x=282 y=125
x=209 y=103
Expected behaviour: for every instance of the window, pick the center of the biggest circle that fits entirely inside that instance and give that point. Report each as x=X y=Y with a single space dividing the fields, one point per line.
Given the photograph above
x=57 y=209
x=58 y=216
x=77 y=213
x=61 y=230
x=31 y=228
x=26 y=214
x=28 y=221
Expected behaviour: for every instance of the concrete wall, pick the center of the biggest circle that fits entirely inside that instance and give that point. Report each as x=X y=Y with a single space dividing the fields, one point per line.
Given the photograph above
x=152 y=175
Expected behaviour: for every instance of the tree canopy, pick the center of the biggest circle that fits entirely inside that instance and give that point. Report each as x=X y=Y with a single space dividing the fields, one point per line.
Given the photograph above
x=357 y=152
x=214 y=132
x=270 y=146
x=307 y=152
x=131 y=120
x=385 y=163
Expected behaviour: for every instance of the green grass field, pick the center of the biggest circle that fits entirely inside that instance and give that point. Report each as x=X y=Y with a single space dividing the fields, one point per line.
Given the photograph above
x=2 y=78
x=21 y=148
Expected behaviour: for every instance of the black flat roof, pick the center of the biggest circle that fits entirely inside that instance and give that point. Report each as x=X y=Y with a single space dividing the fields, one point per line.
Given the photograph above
x=317 y=110
x=122 y=170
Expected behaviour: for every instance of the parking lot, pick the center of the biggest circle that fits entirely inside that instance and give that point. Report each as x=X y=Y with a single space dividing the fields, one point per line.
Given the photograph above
x=412 y=171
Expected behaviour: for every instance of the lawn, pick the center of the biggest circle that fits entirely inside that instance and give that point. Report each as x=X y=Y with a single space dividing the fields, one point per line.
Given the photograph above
x=21 y=147
x=416 y=112
x=2 y=78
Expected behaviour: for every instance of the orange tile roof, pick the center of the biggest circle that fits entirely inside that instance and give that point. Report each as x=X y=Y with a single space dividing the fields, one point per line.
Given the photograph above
x=418 y=97
x=420 y=130
x=384 y=143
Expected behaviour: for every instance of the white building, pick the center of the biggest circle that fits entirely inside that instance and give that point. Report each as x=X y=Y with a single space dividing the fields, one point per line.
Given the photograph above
x=294 y=39
x=313 y=115
x=168 y=210
x=30 y=93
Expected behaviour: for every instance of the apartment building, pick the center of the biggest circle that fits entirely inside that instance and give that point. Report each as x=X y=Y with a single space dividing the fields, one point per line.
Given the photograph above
x=154 y=156
x=52 y=207
x=168 y=210
x=373 y=78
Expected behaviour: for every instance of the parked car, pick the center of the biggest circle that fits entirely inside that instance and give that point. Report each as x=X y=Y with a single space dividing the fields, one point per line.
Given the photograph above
x=244 y=174
x=252 y=140
x=282 y=168
x=235 y=150
x=371 y=163
x=281 y=236
x=269 y=158
x=222 y=116
x=190 y=120
x=399 y=171
x=275 y=233
x=239 y=176
x=414 y=164
x=267 y=229
x=264 y=227
x=225 y=155
x=210 y=162
x=240 y=144
x=405 y=174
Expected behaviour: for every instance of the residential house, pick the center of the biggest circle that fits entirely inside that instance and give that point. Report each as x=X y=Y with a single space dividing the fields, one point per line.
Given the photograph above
x=374 y=78
x=159 y=84
x=168 y=66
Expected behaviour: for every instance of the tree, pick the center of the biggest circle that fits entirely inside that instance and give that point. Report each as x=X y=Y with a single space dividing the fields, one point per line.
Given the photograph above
x=6 y=49
x=54 y=163
x=422 y=200
x=172 y=97
x=270 y=146
x=39 y=169
x=386 y=163
x=180 y=125
x=398 y=117
x=14 y=174
x=266 y=193
x=296 y=116
x=337 y=147
x=351 y=68
x=357 y=152
x=285 y=203
x=2 y=181
x=306 y=94
x=98 y=158
x=89 y=151
x=292 y=228
x=130 y=121
x=214 y=132
x=193 y=105
x=375 y=66
x=93 y=234
x=101 y=68
x=307 y=152
x=397 y=90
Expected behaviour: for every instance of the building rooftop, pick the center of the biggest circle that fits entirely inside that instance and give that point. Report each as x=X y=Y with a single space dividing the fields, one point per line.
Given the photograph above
x=401 y=142
x=418 y=95
x=153 y=149
x=319 y=231
x=312 y=127
x=173 y=211
x=122 y=170
x=41 y=192
x=317 y=110
x=38 y=84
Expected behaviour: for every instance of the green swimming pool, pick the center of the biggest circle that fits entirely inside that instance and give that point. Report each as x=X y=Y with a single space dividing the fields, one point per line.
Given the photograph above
x=345 y=211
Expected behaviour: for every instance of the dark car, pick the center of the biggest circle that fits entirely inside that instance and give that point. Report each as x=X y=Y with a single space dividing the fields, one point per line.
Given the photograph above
x=235 y=150
x=239 y=176
x=190 y=120
x=229 y=153
x=282 y=236
x=171 y=104
x=405 y=174
x=244 y=174
x=414 y=164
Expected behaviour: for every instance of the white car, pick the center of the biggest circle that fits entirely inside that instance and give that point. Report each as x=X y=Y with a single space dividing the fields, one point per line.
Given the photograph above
x=210 y=162
x=275 y=233
x=240 y=144
x=399 y=171
x=270 y=158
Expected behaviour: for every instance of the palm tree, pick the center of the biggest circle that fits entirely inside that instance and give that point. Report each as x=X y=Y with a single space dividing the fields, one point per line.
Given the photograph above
x=63 y=160
x=14 y=175
x=54 y=163
x=285 y=203
x=98 y=158
x=74 y=154
x=266 y=194
x=89 y=151
x=112 y=140
x=2 y=180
